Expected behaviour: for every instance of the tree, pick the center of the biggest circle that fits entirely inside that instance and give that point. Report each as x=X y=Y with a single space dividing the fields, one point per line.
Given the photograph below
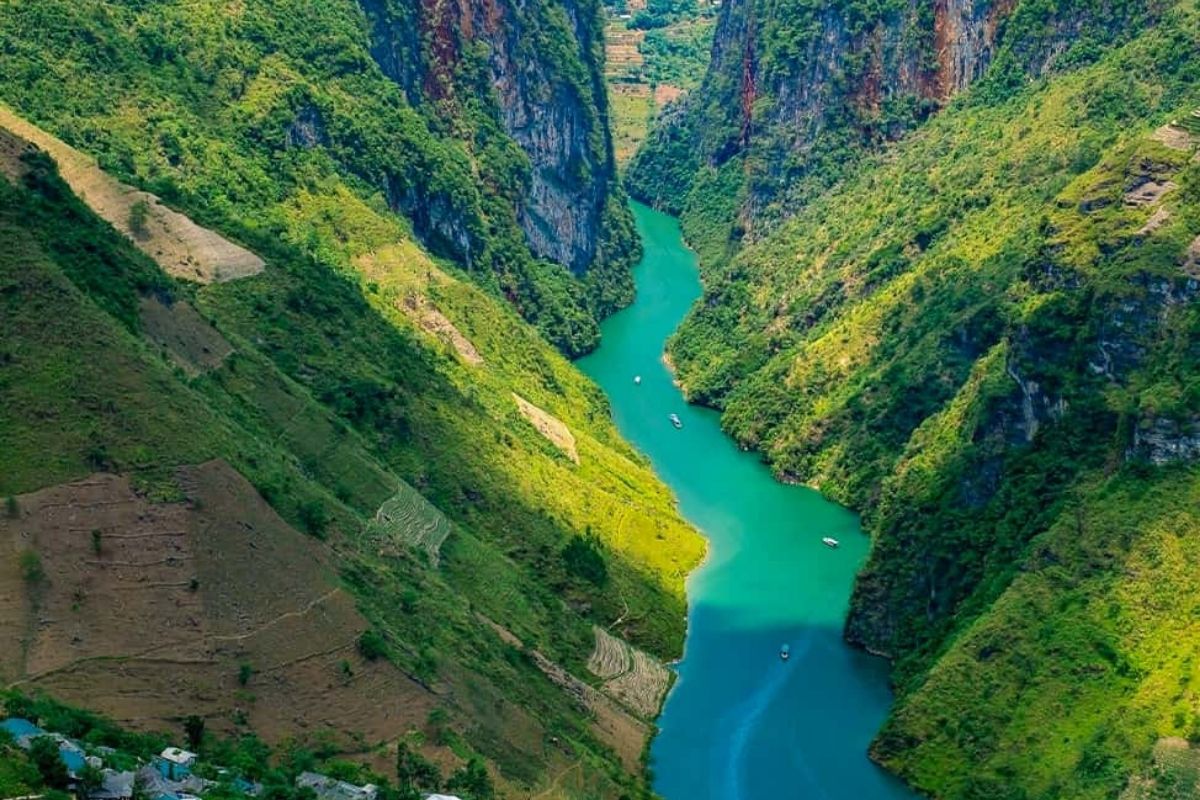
x=583 y=558
x=472 y=782
x=371 y=645
x=139 y=213
x=245 y=672
x=43 y=752
x=415 y=773
x=193 y=727
x=90 y=781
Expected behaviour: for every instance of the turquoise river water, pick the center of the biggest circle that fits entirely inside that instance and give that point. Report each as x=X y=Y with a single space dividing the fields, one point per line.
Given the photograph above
x=740 y=723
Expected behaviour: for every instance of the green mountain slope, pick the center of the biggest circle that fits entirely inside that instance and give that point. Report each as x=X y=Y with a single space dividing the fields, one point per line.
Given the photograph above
x=223 y=108
x=355 y=375
x=986 y=339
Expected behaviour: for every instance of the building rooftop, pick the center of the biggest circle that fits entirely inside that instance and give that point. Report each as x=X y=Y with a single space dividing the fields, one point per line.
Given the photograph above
x=179 y=756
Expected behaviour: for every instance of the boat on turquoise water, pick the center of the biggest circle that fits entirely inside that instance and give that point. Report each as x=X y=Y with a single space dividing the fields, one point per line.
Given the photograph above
x=831 y=542
x=637 y=380
x=785 y=651
x=675 y=420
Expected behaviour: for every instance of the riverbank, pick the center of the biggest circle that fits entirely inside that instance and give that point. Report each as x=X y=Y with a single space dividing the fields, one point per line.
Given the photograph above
x=741 y=722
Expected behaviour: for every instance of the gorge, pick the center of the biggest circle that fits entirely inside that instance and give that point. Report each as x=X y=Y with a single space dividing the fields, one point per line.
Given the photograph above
x=323 y=453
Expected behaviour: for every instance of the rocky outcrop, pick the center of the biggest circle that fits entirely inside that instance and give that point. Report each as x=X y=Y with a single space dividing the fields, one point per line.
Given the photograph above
x=536 y=71
x=1163 y=441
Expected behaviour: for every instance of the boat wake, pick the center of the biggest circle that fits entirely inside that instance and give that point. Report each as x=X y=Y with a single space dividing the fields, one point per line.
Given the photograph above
x=747 y=716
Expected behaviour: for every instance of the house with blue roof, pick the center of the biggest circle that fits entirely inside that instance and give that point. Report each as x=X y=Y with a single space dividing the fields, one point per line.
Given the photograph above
x=20 y=729
x=24 y=732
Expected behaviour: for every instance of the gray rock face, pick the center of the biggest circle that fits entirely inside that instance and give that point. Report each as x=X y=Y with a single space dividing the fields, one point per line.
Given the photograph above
x=1167 y=441
x=549 y=99
x=307 y=130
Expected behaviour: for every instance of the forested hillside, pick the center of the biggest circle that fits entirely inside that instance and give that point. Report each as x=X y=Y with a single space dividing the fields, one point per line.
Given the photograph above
x=985 y=337
x=317 y=479
x=488 y=132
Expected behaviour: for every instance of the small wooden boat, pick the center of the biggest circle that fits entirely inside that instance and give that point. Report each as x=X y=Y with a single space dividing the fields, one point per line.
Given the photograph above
x=831 y=542
x=675 y=420
x=785 y=651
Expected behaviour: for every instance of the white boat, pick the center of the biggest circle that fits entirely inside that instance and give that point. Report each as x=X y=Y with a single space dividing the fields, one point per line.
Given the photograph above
x=785 y=651
x=637 y=380
x=675 y=420
x=830 y=541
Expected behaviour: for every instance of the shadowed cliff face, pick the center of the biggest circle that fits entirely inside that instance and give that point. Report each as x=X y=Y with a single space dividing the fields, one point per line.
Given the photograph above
x=794 y=90
x=532 y=69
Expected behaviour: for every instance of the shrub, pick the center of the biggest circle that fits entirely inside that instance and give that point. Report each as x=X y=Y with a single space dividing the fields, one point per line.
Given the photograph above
x=372 y=645
x=43 y=752
x=139 y=214
x=245 y=672
x=31 y=567
x=583 y=559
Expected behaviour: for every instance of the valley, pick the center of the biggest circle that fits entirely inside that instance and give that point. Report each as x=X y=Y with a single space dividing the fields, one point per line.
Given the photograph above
x=582 y=399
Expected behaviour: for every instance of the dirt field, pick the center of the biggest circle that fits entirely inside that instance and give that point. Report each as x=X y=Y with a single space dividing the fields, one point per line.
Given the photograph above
x=146 y=612
x=554 y=429
x=181 y=247
x=1176 y=762
x=190 y=341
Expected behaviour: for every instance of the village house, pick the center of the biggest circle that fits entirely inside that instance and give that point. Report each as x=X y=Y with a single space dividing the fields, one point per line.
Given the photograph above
x=23 y=732
x=175 y=764
x=327 y=788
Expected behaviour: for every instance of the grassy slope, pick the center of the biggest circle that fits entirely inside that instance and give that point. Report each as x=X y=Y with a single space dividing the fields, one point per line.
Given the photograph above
x=82 y=391
x=866 y=348
x=196 y=101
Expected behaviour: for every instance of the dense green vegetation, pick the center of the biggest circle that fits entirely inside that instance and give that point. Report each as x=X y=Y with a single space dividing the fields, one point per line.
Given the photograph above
x=986 y=339
x=336 y=397
x=224 y=113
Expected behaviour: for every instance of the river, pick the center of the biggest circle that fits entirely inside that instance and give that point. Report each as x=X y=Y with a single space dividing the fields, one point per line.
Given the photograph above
x=740 y=723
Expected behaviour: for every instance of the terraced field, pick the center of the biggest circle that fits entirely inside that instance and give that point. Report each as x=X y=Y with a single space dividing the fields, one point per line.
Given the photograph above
x=623 y=59
x=408 y=519
x=612 y=723
x=630 y=676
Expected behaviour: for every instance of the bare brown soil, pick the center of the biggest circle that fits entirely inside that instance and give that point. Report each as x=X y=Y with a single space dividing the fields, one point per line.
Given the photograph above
x=435 y=322
x=665 y=93
x=1149 y=192
x=549 y=426
x=1174 y=138
x=145 y=612
x=190 y=341
x=181 y=247
x=1177 y=761
x=1156 y=221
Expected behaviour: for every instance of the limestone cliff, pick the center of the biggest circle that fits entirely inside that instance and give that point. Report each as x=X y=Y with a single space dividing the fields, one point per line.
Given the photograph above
x=530 y=74
x=796 y=90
